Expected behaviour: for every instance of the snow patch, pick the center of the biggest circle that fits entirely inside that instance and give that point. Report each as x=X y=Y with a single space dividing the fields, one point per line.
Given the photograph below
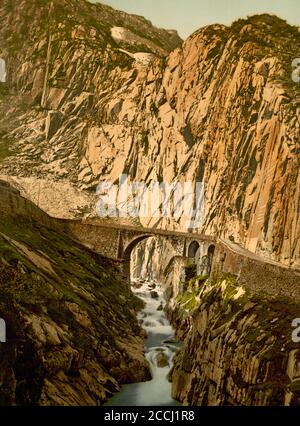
x=141 y=58
x=119 y=33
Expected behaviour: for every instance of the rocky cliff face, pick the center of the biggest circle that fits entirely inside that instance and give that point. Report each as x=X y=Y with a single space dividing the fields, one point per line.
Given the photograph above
x=76 y=57
x=238 y=346
x=72 y=333
x=94 y=93
x=237 y=339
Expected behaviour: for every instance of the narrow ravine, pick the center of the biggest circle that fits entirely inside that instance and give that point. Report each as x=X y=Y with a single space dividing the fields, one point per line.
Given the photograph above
x=160 y=348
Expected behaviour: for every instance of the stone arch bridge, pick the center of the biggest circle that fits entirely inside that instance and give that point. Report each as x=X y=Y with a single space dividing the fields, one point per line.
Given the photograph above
x=117 y=241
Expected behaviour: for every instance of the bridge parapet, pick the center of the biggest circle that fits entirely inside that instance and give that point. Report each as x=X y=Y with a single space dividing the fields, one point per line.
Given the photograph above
x=256 y=273
x=116 y=242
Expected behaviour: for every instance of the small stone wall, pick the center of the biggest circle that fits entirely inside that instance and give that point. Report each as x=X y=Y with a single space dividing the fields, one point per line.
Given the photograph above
x=256 y=274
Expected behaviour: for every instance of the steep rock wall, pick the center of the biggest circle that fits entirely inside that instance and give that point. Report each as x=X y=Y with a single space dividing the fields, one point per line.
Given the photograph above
x=222 y=109
x=238 y=347
x=72 y=333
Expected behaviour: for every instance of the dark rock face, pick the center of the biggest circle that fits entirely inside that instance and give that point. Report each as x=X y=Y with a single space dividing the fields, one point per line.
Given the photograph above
x=238 y=348
x=72 y=333
x=162 y=360
x=154 y=294
x=222 y=108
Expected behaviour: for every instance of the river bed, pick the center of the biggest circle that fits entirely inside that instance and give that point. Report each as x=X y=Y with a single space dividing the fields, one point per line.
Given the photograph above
x=160 y=348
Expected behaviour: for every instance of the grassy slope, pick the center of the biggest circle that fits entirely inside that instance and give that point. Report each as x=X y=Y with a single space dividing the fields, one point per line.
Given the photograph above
x=71 y=323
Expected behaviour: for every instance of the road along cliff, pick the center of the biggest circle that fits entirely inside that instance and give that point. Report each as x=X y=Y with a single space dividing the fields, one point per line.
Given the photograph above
x=94 y=93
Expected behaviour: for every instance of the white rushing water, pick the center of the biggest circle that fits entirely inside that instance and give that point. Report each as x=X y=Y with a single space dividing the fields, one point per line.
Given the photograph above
x=160 y=347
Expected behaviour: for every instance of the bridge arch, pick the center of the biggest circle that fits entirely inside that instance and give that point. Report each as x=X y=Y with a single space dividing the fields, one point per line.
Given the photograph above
x=132 y=244
x=211 y=250
x=193 y=248
x=171 y=247
x=210 y=256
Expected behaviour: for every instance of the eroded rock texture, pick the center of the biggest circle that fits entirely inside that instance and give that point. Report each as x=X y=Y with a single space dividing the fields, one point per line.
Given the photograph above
x=93 y=93
x=72 y=333
x=238 y=347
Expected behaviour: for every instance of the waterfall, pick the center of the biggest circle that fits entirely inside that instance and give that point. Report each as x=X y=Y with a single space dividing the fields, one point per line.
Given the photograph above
x=160 y=347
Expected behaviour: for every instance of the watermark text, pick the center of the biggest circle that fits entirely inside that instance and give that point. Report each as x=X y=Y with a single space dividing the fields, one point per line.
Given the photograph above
x=296 y=331
x=175 y=200
x=296 y=70
x=2 y=331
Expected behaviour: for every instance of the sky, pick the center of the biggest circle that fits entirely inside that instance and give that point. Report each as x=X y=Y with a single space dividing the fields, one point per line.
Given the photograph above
x=186 y=16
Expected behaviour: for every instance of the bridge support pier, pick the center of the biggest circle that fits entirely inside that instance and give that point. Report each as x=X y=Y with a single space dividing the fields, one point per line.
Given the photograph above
x=125 y=269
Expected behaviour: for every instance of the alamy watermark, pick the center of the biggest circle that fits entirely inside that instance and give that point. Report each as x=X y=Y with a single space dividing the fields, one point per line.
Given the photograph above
x=2 y=71
x=296 y=70
x=296 y=332
x=2 y=331
x=175 y=200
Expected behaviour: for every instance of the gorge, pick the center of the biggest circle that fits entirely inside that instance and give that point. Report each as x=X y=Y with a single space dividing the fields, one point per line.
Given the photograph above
x=90 y=94
x=160 y=348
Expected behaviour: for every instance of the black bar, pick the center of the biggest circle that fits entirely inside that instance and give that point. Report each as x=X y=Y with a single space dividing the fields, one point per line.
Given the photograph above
x=149 y=415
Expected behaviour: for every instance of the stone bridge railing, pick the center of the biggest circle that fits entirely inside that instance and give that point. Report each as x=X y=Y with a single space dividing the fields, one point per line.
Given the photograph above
x=253 y=271
x=117 y=241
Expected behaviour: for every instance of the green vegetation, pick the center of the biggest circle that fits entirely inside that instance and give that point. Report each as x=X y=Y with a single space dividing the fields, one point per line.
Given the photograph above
x=3 y=90
x=6 y=147
x=221 y=288
x=188 y=301
x=71 y=275
x=188 y=298
x=190 y=271
x=295 y=387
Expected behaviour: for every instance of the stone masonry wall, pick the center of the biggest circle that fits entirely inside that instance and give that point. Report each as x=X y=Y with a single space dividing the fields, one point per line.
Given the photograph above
x=256 y=274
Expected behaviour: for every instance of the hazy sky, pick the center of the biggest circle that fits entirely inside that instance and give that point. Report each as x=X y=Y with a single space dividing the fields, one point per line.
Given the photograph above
x=187 y=16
